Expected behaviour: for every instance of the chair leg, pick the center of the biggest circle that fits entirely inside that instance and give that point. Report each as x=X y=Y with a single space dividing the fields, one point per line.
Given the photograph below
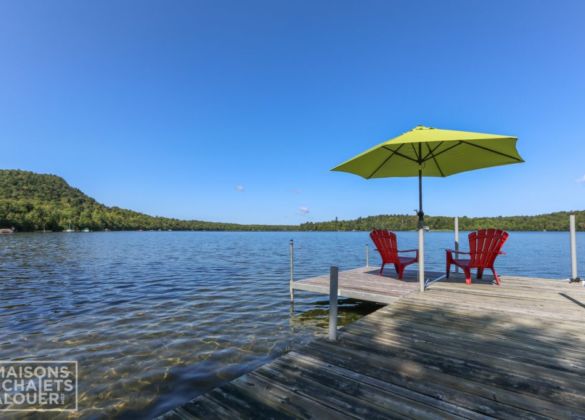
x=496 y=276
x=479 y=273
x=382 y=269
x=467 y=275
x=448 y=269
x=400 y=271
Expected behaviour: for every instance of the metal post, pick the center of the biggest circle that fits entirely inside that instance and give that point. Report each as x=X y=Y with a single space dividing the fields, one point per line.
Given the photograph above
x=421 y=258
x=367 y=255
x=421 y=230
x=572 y=227
x=292 y=270
x=333 y=280
x=456 y=239
x=421 y=215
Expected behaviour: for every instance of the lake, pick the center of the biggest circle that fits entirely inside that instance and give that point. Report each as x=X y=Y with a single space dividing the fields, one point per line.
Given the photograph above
x=155 y=318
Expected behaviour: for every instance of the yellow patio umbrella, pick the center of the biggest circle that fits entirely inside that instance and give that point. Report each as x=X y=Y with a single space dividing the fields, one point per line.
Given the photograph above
x=425 y=151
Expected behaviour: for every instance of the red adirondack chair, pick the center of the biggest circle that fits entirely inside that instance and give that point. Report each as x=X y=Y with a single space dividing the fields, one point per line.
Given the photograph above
x=386 y=245
x=484 y=246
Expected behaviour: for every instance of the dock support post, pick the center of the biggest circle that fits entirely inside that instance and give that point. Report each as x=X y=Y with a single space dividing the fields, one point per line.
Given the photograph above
x=574 y=278
x=292 y=270
x=333 y=283
x=367 y=255
x=456 y=239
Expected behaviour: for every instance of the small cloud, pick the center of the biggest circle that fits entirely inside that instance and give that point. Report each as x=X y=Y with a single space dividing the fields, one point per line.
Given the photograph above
x=296 y=191
x=581 y=180
x=240 y=188
x=304 y=210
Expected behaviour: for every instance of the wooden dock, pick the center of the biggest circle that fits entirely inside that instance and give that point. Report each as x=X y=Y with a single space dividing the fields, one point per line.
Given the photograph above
x=365 y=283
x=454 y=351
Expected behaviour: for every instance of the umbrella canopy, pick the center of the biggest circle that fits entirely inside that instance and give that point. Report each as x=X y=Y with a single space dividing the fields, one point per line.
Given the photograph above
x=433 y=152
x=425 y=151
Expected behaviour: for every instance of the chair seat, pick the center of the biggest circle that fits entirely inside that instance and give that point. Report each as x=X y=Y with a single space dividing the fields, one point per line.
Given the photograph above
x=461 y=262
x=407 y=260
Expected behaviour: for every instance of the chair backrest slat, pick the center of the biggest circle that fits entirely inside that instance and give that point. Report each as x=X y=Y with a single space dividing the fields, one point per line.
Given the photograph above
x=386 y=244
x=484 y=246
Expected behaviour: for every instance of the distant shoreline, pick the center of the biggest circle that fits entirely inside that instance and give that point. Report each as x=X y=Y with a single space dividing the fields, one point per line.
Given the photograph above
x=277 y=231
x=31 y=202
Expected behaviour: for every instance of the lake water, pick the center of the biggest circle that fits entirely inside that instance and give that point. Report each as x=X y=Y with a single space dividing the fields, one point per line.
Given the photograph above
x=155 y=318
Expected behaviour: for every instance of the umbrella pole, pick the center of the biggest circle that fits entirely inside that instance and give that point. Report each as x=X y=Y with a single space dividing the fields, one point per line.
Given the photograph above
x=421 y=236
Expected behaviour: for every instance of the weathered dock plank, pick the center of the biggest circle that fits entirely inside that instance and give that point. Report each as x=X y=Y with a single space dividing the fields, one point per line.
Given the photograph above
x=364 y=284
x=454 y=351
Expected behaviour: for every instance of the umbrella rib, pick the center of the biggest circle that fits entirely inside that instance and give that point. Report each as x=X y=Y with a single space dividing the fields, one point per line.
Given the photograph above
x=435 y=160
x=401 y=154
x=415 y=153
x=493 y=151
x=385 y=160
x=459 y=143
x=431 y=152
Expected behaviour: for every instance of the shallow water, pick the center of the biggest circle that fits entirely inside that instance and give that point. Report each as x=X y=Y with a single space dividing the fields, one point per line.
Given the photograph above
x=155 y=318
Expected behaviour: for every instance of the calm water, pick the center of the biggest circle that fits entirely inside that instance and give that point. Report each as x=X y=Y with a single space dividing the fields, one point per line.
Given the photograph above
x=155 y=318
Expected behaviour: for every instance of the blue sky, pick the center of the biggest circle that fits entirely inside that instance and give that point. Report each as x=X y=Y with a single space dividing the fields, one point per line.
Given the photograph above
x=235 y=111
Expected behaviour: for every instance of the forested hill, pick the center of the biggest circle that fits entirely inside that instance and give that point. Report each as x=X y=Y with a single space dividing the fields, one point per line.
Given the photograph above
x=551 y=221
x=30 y=201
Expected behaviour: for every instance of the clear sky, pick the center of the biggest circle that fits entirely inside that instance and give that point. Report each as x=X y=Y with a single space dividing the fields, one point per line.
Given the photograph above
x=236 y=110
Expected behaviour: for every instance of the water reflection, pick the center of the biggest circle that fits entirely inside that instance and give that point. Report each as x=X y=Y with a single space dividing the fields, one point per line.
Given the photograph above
x=155 y=318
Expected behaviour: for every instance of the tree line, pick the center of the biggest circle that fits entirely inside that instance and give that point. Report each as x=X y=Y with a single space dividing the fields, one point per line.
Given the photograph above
x=558 y=221
x=36 y=202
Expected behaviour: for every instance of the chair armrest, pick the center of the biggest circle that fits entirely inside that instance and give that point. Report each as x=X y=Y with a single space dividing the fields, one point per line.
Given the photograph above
x=411 y=250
